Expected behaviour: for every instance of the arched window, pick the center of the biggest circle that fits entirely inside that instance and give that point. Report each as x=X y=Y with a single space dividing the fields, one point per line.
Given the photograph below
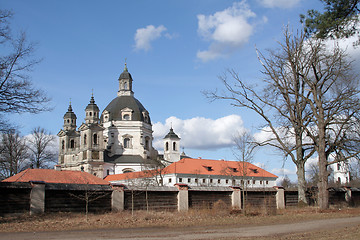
x=147 y=143
x=84 y=139
x=95 y=139
x=126 y=86
x=72 y=143
x=127 y=143
x=174 y=146
x=126 y=117
x=126 y=170
x=63 y=144
x=166 y=146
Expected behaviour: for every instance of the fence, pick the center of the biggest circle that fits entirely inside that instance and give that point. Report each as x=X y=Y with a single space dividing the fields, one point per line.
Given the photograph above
x=39 y=197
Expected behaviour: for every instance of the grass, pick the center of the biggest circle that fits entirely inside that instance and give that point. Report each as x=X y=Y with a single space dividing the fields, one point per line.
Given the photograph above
x=216 y=217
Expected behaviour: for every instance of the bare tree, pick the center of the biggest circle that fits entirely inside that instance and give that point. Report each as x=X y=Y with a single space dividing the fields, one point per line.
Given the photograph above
x=333 y=98
x=286 y=182
x=279 y=103
x=244 y=153
x=40 y=142
x=13 y=154
x=309 y=104
x=17 y=93
x=89 y=193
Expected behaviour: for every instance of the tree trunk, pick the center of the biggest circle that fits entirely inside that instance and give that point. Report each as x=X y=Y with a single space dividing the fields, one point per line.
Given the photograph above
x=300 y=166
x=300 y=172
x=323 y=194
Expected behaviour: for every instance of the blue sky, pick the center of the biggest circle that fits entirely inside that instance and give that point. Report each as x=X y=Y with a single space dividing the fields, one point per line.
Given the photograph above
x=174 y=51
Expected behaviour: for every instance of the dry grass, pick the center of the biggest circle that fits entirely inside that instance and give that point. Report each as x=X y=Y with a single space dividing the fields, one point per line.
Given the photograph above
x=217 y=217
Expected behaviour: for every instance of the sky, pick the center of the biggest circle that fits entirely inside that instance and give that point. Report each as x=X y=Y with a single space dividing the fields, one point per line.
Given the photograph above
x=175 y=50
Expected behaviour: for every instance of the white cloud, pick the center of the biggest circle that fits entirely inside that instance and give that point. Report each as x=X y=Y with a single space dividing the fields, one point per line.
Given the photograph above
x=199 y=132
x=279 y=3
x=283 y=171
x=226 y=30
x=144 y=36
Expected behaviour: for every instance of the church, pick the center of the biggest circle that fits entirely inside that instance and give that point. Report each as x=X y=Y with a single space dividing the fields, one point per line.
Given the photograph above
x=119 y=140
x=117 y=145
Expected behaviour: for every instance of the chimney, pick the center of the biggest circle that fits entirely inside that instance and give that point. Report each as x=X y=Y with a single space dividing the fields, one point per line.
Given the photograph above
x=57 y=167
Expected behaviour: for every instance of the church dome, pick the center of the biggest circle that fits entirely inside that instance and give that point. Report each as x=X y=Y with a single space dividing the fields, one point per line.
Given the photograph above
x=92 y=105
x=121 y=103
x=70 y=113
x=125 y=75
x=172 y=134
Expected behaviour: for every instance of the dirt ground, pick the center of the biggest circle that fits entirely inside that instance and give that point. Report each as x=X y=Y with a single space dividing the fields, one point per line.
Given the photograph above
x=308 y=223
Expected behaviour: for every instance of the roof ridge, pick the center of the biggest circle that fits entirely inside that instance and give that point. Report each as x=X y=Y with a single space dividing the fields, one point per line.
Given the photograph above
x=21 y=175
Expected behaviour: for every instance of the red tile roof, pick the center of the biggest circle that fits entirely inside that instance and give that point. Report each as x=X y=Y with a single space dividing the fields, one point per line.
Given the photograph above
x=53 y=176
x=201 y=167
x=131 y=175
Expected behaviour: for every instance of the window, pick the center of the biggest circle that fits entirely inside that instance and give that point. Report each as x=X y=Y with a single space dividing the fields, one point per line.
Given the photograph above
x=211 y=181
x=338 y=166
x=126 y=86
x=260 y=182
x=233 y=182
x=204 y=180
x=267 y=182
x=196 y=180
x=180 y=179
x=85 y=139
x=227 y=181
x=147 y=143
x=254 y=182
x=127 y=170
x=62 y=144
x=90 y=113
x=219 y=181
x=254 y=170
x=339 y=180
x=127 y=143
x=107 y=172
x=209 y=168
x=126 y=117
x=72 y=143
x=166 y=146
x=189 y=180
x=95 y=139
x=169 y=180
x=174 y=146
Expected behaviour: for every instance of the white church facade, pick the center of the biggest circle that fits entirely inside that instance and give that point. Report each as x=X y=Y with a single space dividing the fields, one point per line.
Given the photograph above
x=118 y=145
x=117 y=141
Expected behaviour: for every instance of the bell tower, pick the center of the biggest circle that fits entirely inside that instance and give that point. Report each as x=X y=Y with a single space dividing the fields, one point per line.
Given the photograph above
x=171 y=147
x=92 y=112
x=125 y=83
x=69 y=120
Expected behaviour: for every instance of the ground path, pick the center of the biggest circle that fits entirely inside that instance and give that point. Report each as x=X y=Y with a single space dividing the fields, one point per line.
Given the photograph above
x=205 y=232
